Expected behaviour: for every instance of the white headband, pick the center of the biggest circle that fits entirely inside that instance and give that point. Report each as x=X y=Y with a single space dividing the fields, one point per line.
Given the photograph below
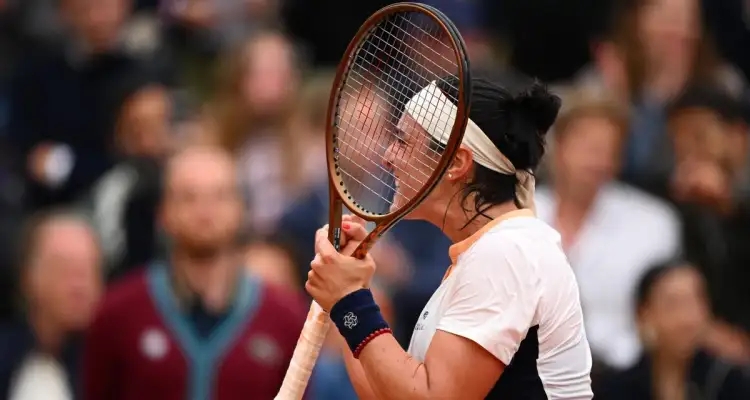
x=434 y=112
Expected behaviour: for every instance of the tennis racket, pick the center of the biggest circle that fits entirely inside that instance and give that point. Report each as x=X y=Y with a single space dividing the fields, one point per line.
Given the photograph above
x=391 y=69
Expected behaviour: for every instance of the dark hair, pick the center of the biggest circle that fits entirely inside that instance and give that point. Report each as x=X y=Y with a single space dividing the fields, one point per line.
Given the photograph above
x=654 y=275
x=515 y=112
x=713 y=98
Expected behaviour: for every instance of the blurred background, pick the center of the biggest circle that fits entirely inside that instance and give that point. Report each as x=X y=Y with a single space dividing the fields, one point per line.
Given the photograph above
x=647 y=176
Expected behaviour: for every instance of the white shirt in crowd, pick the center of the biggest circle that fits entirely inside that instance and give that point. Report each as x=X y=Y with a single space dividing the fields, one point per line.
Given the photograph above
x=627 y=231
x=40 y=377
x=511 y=281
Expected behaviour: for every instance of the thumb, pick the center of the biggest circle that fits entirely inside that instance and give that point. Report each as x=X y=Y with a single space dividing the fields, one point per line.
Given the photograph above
x=325 y=249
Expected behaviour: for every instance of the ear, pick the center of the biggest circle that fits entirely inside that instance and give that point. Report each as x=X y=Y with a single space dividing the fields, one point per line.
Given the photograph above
x=461 y=166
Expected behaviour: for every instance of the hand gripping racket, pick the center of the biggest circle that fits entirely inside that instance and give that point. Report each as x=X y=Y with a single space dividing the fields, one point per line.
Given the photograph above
x=397 y=113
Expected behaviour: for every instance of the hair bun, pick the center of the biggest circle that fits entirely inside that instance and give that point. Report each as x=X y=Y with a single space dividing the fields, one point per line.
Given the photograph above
x=537 y=106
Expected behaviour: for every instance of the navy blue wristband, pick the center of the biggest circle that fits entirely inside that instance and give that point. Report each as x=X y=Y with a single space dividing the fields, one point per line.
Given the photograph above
x=358 y=319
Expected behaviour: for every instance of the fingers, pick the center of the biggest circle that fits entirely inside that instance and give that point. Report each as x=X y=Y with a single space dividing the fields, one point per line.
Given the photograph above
x=354 y=231
x=354 y=219
x=325 y=250
x=312 y=284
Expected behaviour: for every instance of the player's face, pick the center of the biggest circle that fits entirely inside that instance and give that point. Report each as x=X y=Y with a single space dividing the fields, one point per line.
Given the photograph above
x=587 y=155
x=677 y=312
x=363 y=128
x=363 y=138
x=411 y=158
x=202 y=208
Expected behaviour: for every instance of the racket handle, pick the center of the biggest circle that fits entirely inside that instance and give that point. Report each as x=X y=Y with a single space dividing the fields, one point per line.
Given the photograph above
x=305 y=354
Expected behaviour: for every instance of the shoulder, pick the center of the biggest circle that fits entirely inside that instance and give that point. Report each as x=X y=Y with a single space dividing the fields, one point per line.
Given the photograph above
x=515 y=242
x=508 y=257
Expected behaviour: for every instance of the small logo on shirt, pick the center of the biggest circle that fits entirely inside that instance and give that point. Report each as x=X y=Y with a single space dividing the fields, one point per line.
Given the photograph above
x=425 y=314
x=350 y=320
x=154 y=344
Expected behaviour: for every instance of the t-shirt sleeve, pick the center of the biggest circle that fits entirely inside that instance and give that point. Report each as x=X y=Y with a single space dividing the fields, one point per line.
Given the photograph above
x=494 y=298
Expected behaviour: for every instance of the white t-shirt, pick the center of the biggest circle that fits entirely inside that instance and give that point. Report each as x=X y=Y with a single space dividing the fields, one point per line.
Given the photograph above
x=512 y=291
x=626 y=231
x=40 y=377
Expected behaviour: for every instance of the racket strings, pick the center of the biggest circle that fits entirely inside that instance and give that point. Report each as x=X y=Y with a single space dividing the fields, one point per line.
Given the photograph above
x=400 y=56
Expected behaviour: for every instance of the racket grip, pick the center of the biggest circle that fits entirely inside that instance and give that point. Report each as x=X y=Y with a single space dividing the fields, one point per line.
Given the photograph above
x=305 y=354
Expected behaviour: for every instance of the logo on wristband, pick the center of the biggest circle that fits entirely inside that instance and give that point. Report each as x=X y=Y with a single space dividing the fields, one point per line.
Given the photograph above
x=350 y=320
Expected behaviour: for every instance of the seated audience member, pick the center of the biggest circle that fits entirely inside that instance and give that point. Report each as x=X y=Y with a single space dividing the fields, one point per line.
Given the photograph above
x=672 y=314
x=60 y=276
x=195 y=325
x=249 y=114
x=611 y=232
x=710 y=185
x=650 y=52
x=124 y=200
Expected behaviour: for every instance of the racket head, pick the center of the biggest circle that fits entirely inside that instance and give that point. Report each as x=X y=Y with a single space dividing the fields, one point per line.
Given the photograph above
x=397 y=52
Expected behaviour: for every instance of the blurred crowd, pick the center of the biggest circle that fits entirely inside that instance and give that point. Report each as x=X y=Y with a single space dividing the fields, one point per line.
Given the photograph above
x=125 y=126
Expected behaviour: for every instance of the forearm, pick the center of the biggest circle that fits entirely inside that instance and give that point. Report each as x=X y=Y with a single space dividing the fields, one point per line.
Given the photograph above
x=392 y=373
x=372 y=351
x=357 y=376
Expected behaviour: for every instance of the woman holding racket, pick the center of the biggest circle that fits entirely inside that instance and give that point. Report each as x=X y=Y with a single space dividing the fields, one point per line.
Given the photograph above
x=506 y=322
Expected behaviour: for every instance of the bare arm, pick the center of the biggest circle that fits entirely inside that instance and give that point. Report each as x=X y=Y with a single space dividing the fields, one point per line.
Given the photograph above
x=356 y=374
x=454 y=368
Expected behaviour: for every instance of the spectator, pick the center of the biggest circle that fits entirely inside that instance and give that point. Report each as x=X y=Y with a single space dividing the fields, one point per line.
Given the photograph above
x=61 y=284
x=124 y=200
x=195 y=325
x=709 y=185
x=249 y=116
x=673 y=315
x=610 y=231
x=61 y=107
x=653 y=51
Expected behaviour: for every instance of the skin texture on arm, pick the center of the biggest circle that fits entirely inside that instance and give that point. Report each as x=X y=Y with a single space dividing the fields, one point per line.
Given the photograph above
x=356 y=373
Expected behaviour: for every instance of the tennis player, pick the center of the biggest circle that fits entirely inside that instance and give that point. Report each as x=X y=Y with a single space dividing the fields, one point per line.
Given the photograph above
x=506 y=322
